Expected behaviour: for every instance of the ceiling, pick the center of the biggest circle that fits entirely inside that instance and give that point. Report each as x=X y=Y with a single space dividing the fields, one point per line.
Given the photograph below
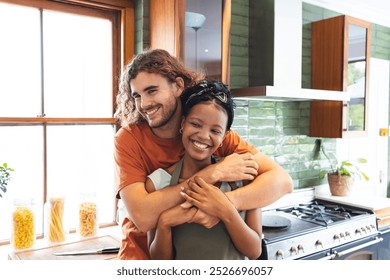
x=375 y=11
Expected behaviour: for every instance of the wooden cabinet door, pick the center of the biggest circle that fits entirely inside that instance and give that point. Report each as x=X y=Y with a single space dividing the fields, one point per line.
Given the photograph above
x=340 y=48
x=167 y=25
x=167 y=30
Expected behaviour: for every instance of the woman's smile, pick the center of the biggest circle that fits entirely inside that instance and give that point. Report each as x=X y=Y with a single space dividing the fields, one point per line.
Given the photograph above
x=200 y=145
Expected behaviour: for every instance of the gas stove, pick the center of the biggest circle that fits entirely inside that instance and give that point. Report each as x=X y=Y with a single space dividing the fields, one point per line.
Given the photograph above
x=317 y=229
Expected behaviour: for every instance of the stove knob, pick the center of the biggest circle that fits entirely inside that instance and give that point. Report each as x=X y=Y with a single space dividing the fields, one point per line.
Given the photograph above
x=373 y=227
x=368 y=228
x=336 y=237
x=363 y=229
x=294 y=250
x=342 y=235
x=300 y=248
x=347 y=233
x=279 y=254
x=319 y=243
x=358 y=231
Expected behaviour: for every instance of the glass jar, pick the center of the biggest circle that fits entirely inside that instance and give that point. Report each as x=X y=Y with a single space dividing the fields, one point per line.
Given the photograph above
x=23 y=224
x=88 y=214
x=55 y=230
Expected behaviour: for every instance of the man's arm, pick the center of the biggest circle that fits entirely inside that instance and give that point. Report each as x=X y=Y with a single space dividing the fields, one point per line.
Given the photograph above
x=144 y=208
x=272 y=183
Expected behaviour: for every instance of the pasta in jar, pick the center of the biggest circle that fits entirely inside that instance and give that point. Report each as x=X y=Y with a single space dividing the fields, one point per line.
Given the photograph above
x=23 y=227
x=88 y=224
x=87 y=219
x=55 y=220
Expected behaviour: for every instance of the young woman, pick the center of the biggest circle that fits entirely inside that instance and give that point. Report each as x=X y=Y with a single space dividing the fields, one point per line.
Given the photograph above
x=208 y=112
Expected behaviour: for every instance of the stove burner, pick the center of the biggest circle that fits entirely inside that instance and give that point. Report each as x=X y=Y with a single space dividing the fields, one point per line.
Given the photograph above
x=323 y=214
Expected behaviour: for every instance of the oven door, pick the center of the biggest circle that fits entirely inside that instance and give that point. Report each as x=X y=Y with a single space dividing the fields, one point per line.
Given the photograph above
x=363 y=249
x=323 y=255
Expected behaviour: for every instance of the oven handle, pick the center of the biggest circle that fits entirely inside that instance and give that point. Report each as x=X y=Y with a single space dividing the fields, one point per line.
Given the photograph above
x=336 y=254
x=340 y=254
x=328 y=257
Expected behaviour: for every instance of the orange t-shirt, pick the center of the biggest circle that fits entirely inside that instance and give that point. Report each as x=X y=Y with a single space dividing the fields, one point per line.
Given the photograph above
x=138 y=152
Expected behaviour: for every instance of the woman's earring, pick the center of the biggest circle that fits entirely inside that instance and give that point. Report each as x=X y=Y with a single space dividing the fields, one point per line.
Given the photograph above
x=181 y=130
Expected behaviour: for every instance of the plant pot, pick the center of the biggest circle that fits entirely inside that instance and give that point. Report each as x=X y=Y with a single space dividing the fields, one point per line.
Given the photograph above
x=340 y=185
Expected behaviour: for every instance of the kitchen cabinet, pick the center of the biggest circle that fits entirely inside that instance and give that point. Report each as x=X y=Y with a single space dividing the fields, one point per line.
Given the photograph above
x=384 y=249
x=202 y=47
x=340 y=61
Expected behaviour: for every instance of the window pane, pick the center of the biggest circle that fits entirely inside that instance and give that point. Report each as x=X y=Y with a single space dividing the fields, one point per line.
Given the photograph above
x=80 y=158
x=22 y=148
x=20 y=71
x=78 y=65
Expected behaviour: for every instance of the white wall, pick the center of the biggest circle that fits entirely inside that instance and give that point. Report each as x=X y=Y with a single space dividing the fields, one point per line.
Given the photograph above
x=373 y=147
x=375 y=11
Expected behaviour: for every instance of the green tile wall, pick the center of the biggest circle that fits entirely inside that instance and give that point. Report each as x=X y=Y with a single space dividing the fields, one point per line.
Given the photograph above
x=239 y=55
x=279 y=129
x=141 y=25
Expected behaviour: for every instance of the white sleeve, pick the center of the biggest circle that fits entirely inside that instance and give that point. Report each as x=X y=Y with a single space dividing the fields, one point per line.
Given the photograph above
x=160 y=178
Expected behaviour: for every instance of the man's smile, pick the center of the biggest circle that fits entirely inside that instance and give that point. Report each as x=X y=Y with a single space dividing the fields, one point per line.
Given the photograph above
x=151 y=111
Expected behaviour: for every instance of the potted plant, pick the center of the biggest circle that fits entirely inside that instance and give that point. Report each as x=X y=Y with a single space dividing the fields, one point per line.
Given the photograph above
x=341 y=175
x=5 y=177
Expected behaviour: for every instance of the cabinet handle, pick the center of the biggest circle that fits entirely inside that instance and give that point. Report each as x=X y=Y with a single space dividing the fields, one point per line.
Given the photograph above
x=345 y=117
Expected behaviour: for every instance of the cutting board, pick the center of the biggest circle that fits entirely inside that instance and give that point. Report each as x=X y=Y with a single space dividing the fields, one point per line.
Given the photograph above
x=46 y=253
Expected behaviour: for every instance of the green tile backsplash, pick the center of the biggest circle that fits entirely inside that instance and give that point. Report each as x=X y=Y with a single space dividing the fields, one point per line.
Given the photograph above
x=276 y=129
x=279 y=129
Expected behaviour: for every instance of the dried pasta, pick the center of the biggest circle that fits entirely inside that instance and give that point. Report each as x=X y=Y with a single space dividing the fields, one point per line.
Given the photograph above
x=23 y=228
x=88 y=219
x=56 y=232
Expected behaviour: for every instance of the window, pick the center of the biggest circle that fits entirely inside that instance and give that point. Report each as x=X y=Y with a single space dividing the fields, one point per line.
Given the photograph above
x=58 y=75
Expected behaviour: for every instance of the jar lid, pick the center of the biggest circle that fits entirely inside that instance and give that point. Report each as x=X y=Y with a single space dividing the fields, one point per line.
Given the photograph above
x=23 y=201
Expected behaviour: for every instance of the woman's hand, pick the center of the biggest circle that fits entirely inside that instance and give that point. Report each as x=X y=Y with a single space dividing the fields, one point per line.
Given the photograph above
x=208 y=198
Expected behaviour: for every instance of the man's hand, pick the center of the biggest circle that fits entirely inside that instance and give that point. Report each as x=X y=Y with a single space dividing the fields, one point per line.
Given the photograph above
x=204 y=219
x=237 y=167
x=176 y=216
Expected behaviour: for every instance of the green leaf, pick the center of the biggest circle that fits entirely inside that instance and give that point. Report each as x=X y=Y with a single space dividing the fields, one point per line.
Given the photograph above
x=323 y=173
x=364 y=176
x=361 y=160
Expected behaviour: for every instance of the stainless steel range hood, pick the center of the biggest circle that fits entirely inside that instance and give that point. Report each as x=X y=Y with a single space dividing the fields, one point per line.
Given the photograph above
x=275 y=54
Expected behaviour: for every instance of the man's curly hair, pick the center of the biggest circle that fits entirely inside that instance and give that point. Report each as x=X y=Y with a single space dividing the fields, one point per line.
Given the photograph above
x=156 y=61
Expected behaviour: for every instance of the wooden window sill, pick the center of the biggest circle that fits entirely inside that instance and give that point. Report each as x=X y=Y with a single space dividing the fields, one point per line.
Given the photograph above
x=7 y=252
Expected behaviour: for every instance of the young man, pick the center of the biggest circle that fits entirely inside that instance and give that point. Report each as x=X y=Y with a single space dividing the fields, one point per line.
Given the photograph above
x=150 y=112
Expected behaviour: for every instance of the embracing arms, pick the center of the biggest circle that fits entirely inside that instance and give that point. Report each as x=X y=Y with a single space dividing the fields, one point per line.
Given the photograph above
x=272 y=183
x=144 y=208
